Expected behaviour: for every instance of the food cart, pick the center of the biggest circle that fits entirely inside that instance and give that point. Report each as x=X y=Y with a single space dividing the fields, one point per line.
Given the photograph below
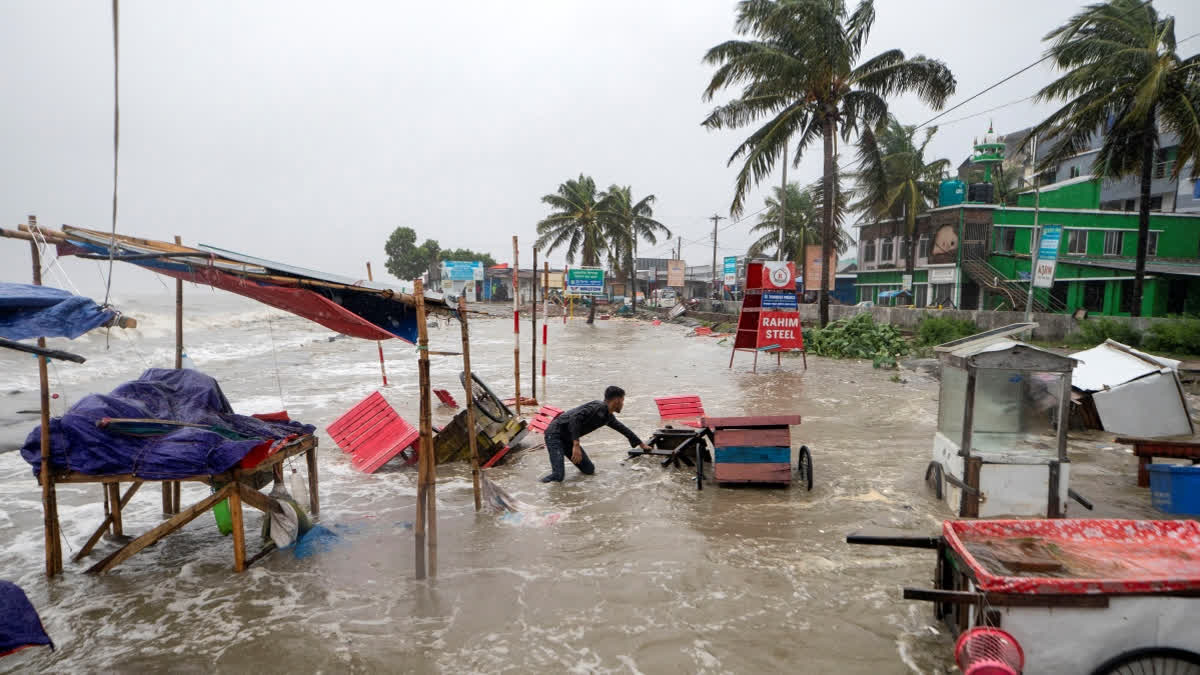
x=999 y=449
x=1065 y=596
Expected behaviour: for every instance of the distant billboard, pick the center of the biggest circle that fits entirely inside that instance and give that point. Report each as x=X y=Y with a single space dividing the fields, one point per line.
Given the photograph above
x=675 y=270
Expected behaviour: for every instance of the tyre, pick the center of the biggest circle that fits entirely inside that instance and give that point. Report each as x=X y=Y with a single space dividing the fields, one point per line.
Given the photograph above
x=486 y=401
x=1152 y=661
x=933 y=478
x=804 y=467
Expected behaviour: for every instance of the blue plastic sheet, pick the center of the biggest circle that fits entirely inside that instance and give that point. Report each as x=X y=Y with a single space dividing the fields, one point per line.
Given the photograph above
x=189 y=396
x=20 y=625
x=40 y=311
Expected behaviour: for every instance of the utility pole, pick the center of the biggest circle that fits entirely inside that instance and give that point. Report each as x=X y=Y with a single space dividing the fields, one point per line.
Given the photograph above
x=782 y=207
x=716 y=219
x=1033 y=237
x=679 y=249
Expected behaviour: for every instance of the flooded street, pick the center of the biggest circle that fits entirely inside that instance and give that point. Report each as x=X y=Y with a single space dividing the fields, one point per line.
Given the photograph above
x=642 y=574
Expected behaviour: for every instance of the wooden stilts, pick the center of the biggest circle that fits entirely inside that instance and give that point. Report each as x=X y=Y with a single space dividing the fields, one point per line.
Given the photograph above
x=425 y=456
x=114 y=500
x=310 y=458
x=170 y=489
x=163 y=529
x=471 y=437
x=49 y=496
x=533 y=302
x=517 y=326
x=378 y=343
x=95 y=538
x=168 y=499
x=239 y=529
x=175 y=490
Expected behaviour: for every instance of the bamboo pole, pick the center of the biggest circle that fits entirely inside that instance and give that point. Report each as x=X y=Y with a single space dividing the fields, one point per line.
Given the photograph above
x=533 y=302
x=49 y=496
x=517 y=326
x=425 y=457
x=471 y=435
x=545 y=317
x=379 y=343
x=170 y=489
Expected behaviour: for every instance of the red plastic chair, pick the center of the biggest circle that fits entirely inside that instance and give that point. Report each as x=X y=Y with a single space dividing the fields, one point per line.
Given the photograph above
x=686 y=410
x=373 y=433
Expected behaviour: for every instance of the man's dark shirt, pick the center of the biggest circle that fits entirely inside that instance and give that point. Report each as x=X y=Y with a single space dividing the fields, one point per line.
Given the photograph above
x=579 y=422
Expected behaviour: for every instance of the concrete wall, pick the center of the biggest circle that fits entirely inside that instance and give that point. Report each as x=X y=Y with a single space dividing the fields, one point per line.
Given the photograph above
x=1050 y=326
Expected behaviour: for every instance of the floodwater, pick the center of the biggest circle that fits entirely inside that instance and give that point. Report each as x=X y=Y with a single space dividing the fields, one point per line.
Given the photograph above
x=643 y=574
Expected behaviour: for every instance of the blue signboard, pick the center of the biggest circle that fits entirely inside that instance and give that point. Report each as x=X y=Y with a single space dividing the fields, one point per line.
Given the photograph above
x=779 y=300
x=1043 y=274
x=457 y=270
x=731 y=270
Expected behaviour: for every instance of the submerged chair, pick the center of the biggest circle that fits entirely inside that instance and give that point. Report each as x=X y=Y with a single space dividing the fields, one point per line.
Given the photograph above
x=372 y=432
x=686 y=410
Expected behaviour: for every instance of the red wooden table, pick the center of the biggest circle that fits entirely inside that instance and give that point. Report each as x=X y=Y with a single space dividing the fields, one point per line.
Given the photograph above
x=1146 y=449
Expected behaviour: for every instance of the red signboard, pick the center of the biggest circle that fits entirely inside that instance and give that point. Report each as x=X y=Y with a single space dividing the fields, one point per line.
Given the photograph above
x=779 y=275
x=780 y=330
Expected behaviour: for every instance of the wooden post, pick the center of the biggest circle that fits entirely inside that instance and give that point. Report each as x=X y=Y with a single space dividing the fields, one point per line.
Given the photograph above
x=170 y=489
x=545 y=317
x=533 y=300
x=517 y=325
x=49 y=496
x=310 y=457
x=471 y=435
x=426 y=460
x=114 y=499
x=239 y=531
x=379 y=343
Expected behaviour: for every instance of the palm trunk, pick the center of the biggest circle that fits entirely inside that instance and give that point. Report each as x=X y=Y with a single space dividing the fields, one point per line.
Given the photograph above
x=632 y=279
x=1139 y=274
x=827 y=220
x=910 y=229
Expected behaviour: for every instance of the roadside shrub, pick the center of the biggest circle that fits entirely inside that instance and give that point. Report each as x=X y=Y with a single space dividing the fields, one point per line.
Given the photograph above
x=858 y=338
x=1094 y=331
x=1178 y=336
x=936 y=330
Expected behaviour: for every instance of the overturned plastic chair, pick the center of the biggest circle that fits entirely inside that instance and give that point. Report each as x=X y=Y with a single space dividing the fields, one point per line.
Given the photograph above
x=372 y=432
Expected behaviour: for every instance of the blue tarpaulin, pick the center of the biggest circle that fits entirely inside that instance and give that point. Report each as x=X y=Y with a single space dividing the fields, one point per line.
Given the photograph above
x=28 y=311
x=20 y=626
x=188 y=396
x=892 y=294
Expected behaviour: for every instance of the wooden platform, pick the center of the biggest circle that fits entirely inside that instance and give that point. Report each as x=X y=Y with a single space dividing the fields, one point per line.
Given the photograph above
x=237 y=485
x=1146 y=449
x=755 y=449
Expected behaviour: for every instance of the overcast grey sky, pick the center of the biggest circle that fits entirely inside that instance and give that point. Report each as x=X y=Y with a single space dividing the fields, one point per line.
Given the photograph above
x=306 y=131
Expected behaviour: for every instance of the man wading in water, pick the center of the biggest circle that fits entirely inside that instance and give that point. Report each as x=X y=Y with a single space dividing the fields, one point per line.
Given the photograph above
x=566 y=430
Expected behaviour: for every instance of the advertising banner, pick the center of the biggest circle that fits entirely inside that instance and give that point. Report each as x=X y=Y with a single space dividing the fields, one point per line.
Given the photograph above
x=814 y=267
x=1043 y=275
x=675 y=270
x=779 y=300
x=462 y=270
x=585 y=281
x=779 y=276
x=731 y=270
x=780 y=330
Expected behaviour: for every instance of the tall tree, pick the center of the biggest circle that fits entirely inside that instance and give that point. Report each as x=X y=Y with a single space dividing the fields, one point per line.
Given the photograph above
x=629 y=222
x=1125 y=77
x=406 y=260
x=802 y=77
x=894 y=180
x=576 y=224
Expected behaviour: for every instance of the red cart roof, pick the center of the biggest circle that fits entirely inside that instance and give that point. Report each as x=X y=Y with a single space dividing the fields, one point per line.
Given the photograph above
x=1079 y=556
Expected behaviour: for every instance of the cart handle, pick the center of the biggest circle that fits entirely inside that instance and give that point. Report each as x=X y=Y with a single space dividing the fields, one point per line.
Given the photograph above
x=891 y=540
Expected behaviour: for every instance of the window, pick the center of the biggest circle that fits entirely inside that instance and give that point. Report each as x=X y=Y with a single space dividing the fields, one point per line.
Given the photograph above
x=869 y=251
x=1006 y=239
x=904 y=248
x=1112 y=242
x=1116 y=205
x=1093 y=296
x=923 y=246
x=1152 y=244
x=1076 y=242
x=1130 y=204
x=1156 y=203
x=885 y=250
x=1074 y=172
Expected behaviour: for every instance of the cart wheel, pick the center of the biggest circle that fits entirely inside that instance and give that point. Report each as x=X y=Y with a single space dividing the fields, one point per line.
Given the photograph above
x=933 y=478
x=1152 y=661
x=804 y=466
x=486 y=401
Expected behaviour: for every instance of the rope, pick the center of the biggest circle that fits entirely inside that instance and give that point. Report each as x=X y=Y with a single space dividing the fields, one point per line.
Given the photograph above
x=116 y=141
x=275 y=358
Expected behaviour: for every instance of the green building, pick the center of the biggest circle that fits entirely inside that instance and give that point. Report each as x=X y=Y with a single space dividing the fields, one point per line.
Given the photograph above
x=973 y=254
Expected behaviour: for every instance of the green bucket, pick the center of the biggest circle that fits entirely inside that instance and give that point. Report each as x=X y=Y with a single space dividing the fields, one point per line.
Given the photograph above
x=221 y=514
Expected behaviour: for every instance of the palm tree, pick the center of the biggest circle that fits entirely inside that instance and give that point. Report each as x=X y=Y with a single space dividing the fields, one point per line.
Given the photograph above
x=803 y=77
x=1124 y=76
x=576 y=224
x=628 y=222
x=894 y=180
